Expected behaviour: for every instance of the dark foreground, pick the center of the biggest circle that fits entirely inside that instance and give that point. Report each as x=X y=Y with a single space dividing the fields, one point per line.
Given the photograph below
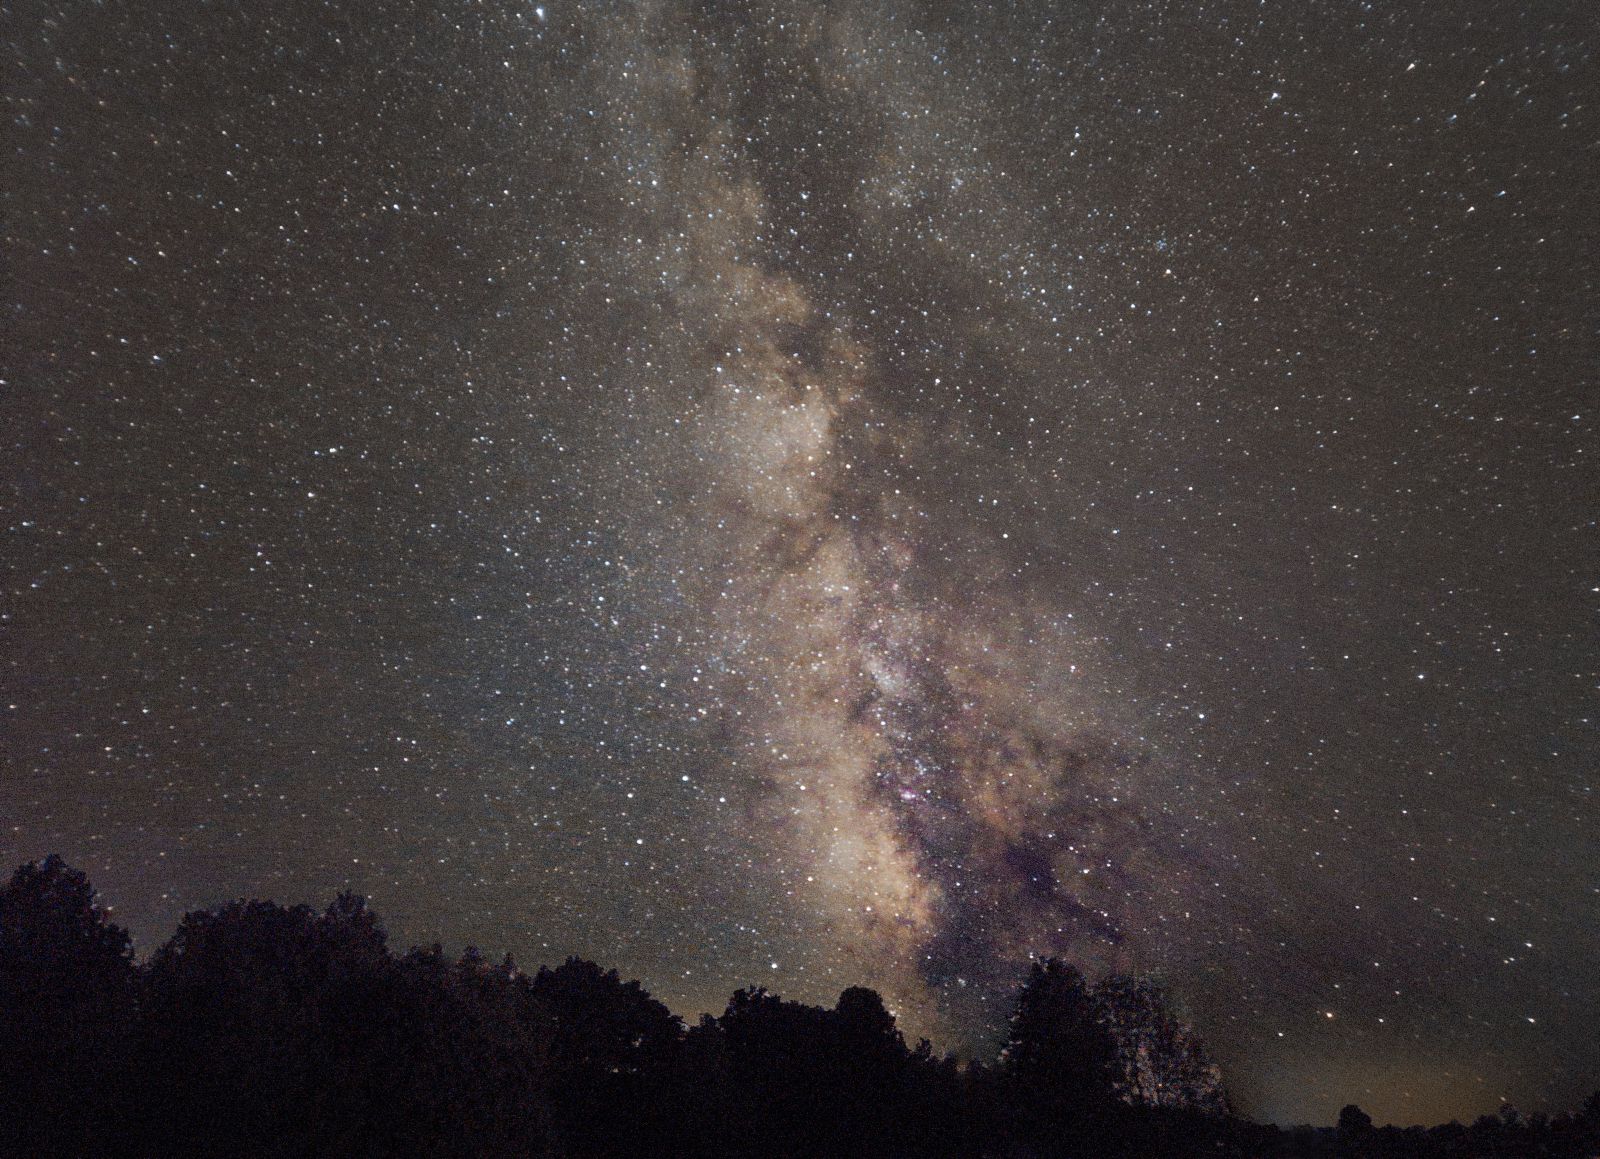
x=260 y=1030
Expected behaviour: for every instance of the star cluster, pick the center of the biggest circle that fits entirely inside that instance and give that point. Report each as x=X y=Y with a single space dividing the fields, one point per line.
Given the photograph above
x=816 y=495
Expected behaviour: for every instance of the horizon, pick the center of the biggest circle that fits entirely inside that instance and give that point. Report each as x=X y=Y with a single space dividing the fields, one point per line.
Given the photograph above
x=689 y=1017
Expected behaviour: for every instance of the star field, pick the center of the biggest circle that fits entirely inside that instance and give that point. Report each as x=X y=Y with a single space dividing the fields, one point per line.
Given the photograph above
x=833 y=494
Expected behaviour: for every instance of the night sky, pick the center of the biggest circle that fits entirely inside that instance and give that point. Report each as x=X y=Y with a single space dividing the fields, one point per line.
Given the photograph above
x=808 y=495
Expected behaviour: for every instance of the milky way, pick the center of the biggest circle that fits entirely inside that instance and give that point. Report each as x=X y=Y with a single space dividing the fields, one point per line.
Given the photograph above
x=929 y=767
x=827 y=495
x=944 y=795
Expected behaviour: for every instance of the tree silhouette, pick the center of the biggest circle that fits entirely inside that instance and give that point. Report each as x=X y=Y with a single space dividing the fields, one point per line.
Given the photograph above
x=278 y=1031
x=872 y=1072
x=814 y=1081
x=1160 y=1060
x=66 y=1005
x=865 y=1026
x=1353 y=1121
x=477 y=1046
x=1058 y=1043
x=614 y=1055
x=603 y=1025
x=1059 y=1064
x=261 y=1030
x=232 y=1003
x=771 y=1045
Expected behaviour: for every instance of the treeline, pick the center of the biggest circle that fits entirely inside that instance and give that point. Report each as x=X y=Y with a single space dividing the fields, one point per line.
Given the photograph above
x=264 y=1030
